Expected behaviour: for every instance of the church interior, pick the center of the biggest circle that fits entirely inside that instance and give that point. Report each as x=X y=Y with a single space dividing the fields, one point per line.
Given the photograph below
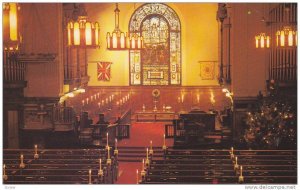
x=149 y=93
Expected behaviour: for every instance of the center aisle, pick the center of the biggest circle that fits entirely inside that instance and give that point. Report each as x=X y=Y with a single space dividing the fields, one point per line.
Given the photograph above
x=140 y=136
x=142 y=133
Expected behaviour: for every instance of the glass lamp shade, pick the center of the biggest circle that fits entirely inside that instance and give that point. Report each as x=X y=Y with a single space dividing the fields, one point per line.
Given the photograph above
x=83 y=34
x=11 y=38
x=116 y=40
x=286 y=37
x=262 y=41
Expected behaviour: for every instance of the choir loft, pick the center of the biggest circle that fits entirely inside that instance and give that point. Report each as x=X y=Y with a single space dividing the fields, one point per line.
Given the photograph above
x=149 y=93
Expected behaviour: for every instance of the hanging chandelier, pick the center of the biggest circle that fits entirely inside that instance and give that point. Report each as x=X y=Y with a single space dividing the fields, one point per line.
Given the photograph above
x=11 y=38
x=83 y=33
x=117 y=40
x=136 y=42
x=286 y=37
x=262 y=41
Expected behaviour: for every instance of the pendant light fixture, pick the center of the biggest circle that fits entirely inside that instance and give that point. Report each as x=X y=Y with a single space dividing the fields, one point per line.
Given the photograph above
x=117 y=40
x=83 y=33
x=11 y=38
x=135 y=42
x=262 y=41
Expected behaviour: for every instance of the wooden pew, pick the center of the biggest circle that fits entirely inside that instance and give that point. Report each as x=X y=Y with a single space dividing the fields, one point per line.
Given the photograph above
x=59 y=166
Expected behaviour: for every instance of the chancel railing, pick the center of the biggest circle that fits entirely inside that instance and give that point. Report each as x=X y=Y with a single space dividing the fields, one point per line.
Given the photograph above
x=63 y=118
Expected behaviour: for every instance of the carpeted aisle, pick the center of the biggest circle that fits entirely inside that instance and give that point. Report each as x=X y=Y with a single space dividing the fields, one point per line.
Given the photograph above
x=140 y=136
x=142 y=133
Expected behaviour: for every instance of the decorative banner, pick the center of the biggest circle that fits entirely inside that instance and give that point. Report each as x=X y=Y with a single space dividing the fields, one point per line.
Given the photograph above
x=103 y=71
x=207 y=70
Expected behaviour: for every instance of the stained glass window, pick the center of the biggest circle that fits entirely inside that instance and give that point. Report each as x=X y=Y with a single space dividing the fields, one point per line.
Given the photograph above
x=159 y=63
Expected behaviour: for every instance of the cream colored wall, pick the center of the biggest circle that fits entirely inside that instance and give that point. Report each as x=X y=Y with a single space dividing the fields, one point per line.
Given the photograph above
x=42 y=33
x=249 y=65
x=199 y=41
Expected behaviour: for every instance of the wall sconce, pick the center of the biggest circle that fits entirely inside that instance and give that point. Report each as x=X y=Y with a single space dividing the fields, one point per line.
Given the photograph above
x=11 y=38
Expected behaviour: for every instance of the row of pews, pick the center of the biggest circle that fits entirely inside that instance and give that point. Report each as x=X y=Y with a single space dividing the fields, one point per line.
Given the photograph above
x=60 y=166
x=221 y=167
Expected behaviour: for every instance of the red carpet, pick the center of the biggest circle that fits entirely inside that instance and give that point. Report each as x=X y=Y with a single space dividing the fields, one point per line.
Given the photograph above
x=140 y=136
x=142 y=133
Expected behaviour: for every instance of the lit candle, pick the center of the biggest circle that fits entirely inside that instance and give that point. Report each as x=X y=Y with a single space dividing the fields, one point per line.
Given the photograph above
x=116 y=143
x=90 y=176
x=241 y=171
x=100 y=167
x=164 y=140
x=236 y=160
x=108 y=153
x=35 y=149
x=21 y=157
x=147 y=154
x=143 y=165
x=107 y=139
x=5 y=167
x=231 y=150
x=137 y=176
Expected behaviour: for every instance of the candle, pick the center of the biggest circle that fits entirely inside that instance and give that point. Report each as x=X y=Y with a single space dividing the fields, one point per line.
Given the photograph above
x=143 y=165
x=82 y=102
x=90 y=176
x=116 y=142
x=107 y=139
x=164 y=140
x=137 y=176
x=4 y=169
x=87 y=101
x=22 y=157
x=100 y=164
x=241 y=171
x=108 y=153
x=35 y=149
x=231 y=150
x=236 y=160
x=147 y=154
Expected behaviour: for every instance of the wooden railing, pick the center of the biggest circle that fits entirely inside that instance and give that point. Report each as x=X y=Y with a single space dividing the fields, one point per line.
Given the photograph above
x=13 y=70
x=63 y=118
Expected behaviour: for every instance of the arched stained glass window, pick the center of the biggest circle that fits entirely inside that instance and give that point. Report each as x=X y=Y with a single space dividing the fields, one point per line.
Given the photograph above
x=159 y=63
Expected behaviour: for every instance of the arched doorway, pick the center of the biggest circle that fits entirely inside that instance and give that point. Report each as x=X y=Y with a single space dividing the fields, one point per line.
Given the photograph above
x=159 y=63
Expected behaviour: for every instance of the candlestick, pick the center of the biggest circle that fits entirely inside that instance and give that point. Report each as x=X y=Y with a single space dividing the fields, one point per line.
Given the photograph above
x=137 y=176
x=147 y=153
x=22 y=165
x=241 y=177
x=108 y=161
x=5 y=177
x=147 y=159
x=236 y=166
x=90 y=176
x=100 y=172
x=36 y=155
x=151 y=150
x=164 y=145
x=116 y=152
x=106 y=140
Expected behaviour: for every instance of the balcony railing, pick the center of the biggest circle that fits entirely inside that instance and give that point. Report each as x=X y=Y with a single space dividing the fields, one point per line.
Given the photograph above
x=13 y=70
